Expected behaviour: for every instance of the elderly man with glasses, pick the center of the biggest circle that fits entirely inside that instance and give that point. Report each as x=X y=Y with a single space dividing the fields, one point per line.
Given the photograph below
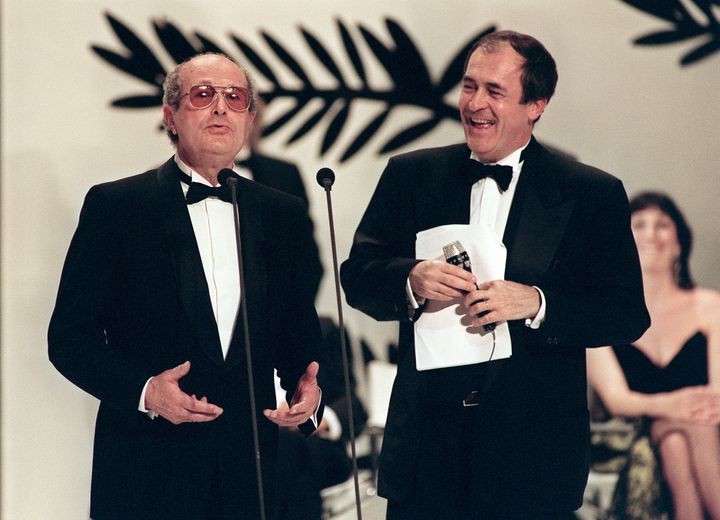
x=147 y=317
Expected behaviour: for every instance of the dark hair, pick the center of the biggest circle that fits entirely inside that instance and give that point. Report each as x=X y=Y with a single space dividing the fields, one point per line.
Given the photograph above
x=539 y=76
x=661 y=201
x=173 y=84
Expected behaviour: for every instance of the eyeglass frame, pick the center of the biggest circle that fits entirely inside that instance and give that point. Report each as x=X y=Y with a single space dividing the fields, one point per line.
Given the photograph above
x=217 y=89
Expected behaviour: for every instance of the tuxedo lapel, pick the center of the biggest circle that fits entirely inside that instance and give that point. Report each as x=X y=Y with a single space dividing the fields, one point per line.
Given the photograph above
x=447 y=201
x=187 y=263
x=538 y=218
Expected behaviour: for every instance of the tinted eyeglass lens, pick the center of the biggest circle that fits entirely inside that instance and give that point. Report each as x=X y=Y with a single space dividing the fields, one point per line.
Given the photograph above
x=237 y=98
x=201 y=96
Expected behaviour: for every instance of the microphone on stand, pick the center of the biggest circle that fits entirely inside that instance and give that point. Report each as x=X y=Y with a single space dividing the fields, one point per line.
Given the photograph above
x=228 y=178
x=325 y=178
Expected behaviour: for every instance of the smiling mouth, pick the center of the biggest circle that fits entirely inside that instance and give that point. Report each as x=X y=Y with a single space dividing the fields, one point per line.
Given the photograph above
x=650 y=249
x=481 y=123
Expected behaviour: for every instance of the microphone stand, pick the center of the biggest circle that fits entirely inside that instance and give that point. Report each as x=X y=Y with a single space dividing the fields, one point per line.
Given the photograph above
x=325 y=178
x=232 y=186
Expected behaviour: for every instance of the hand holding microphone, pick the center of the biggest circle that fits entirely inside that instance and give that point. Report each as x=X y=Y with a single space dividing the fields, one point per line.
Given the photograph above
x=456 y=254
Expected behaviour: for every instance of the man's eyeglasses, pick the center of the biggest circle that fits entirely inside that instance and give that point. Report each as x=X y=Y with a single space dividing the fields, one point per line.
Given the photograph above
x=202 y=96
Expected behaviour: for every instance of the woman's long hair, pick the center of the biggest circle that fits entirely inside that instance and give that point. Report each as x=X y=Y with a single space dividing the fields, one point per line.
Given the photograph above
x=661 y=201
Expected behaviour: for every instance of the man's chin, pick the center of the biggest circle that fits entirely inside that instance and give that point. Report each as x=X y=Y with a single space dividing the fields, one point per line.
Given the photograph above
x=481 y=148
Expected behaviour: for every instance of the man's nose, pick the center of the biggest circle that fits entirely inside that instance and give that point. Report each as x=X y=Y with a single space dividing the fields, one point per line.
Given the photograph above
x=220 y=105
x=478 y=100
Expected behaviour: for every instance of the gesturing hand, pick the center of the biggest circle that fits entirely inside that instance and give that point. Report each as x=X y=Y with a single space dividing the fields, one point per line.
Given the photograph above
x=164 y=397
x=304 y=402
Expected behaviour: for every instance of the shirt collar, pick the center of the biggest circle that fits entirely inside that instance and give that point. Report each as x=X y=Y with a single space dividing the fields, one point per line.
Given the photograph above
x=194 y=176
x=513 y=159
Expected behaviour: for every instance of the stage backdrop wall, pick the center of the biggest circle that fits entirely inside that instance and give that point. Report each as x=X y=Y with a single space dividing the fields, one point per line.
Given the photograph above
x=632 y=110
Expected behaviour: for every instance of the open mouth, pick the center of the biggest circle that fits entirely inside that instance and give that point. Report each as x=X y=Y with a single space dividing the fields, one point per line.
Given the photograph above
x=481 y=123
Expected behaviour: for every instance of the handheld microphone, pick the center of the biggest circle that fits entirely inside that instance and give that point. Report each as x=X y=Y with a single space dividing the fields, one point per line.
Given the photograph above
x=229 y=179
x=456 y=254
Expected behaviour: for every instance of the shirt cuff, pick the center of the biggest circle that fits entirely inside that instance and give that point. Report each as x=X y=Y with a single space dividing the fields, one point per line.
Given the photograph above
x=412 y=302
x=334 y=431
x=413 y=307
x=539 y=318
x=313 y=417
x=141 y=404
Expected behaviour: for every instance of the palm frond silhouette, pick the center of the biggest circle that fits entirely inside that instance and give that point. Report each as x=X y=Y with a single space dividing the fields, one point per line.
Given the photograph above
x=411 y=81
x=684 y=25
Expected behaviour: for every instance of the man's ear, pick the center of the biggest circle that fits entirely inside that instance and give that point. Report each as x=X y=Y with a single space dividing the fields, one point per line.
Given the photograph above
x=252 y=119
x=168 y=120
x=536 y=109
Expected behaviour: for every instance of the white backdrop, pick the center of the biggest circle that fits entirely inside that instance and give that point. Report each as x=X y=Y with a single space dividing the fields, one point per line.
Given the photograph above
x=632 y=111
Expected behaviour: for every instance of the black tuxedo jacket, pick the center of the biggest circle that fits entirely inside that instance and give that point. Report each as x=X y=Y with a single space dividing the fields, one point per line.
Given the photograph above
x=568 y=233
x=133 y=302
x=285 y=176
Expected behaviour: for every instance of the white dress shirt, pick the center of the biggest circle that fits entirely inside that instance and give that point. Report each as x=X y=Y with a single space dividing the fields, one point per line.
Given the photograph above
x=213 y=224
x=214 y=227
x=491 y=207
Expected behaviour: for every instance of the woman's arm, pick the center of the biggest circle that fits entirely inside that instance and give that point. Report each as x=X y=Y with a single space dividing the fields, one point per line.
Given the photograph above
x=698 y=404
x=708 y=305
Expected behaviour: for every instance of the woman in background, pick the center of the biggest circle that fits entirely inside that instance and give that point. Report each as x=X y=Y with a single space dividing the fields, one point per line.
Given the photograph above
x=671 y=375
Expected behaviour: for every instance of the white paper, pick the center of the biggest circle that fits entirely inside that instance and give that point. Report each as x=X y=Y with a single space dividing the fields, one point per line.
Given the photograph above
x=443 y=335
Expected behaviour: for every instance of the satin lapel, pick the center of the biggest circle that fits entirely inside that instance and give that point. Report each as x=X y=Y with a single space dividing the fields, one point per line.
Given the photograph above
x=255 y=260
x=445 y=198
x=187 y=263
x=538 y=218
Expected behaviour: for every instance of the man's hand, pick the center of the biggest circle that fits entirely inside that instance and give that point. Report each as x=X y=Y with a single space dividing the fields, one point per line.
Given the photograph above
x=303 y=403
x=436 y=280
x=164 y=397
x=503 y=301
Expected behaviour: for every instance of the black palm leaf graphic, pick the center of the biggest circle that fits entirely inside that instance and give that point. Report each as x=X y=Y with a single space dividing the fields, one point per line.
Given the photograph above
x=139 y=61
x=684 y=26
x=411 y=81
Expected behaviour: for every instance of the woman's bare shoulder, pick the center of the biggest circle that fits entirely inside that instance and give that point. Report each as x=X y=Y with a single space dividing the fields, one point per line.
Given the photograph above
x=707 y=306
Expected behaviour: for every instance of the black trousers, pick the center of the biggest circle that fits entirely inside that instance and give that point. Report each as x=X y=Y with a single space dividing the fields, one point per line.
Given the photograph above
x=397 y=511
x=448 y=486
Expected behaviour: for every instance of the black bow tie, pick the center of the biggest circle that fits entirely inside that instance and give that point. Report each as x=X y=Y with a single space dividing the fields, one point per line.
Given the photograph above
x=199 y=191
x=501 y=174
